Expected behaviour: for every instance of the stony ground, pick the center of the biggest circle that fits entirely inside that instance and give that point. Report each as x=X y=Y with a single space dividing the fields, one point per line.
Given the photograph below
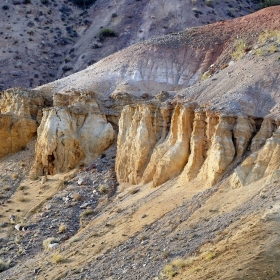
x=135 y=232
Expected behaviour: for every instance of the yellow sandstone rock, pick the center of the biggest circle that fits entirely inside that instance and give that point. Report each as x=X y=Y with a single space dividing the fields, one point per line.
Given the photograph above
x=72 y=131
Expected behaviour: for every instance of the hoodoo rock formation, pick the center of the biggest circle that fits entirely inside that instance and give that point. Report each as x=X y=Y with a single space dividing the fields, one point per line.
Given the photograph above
x=159 y=143
x=72 y=131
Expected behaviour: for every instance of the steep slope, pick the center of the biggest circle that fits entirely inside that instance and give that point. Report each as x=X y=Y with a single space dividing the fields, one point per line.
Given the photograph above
x=177 y=61
x=46 y=40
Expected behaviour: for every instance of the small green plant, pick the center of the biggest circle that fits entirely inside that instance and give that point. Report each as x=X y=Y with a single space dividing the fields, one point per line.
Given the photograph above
x=240 y=47
x=57 y=258
x=107 y=32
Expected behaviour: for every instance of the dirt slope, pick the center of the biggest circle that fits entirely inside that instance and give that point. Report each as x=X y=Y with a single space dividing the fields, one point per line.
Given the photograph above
x=46 y=40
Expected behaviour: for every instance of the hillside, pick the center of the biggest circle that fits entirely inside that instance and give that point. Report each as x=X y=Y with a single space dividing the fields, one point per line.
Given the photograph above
x=43 y=40
x=159 y=161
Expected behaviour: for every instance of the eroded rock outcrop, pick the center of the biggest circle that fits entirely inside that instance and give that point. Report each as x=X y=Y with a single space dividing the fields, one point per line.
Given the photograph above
x=72 y=131
x=156 y=144
x=20 y=116
x=261 y=163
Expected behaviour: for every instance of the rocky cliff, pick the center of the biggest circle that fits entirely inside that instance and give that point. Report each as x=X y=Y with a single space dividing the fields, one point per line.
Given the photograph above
x=160 y=143
x=72 y=131
x=20 y=116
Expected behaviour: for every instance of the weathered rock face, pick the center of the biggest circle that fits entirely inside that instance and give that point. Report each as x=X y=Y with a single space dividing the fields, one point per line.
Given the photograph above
x=156 y=144
x=20 y=116
x=72 y=131
x=261 y=163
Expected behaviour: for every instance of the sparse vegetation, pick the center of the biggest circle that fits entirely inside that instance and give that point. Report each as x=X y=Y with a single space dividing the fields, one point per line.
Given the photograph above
x=268 y=3
x=134 y=191
x=205 y=75
x=83 y=3
x=3 y=265
x=48 y=241
x=86 y=213
x=77 y=197
x=166 y=254
x=179 y=263
x=210 y=255
x=15 y=176
x=57 y=258
x=102 y=189
x=22 y=199
x=240 y=47
x=107 y=32
x=269 y=36
x=62 y=228
x=169 y=271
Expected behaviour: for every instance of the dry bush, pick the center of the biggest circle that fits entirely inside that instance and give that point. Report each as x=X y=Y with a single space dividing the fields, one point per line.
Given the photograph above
x=240 y=48
x=62 y=228
x=49 y=241
x=56 y=258
x=77 y=197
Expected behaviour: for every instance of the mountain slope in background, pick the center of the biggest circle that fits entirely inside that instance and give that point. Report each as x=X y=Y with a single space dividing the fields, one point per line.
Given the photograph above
x=42 y=41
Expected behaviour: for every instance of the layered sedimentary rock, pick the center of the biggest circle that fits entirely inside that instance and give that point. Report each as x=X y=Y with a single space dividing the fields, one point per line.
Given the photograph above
x=20 y=116
x=156 y=144
x=72 y=131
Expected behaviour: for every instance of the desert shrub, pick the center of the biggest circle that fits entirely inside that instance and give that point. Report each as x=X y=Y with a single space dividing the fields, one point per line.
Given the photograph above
x=56 y=258
x=197 y=12
x=107 y=32
x=272 y=48
x=269 y=36
x=49 y=241
x=62 y=228
x=179 y=263
x=102 y=189
x=205 y=76
x=27 y=2
x=3 y=265
x=83 y=3
x=169 y=271
x=86 y=213
x=5 y=7
x=209 y=3
x=45 y=2
x=240 y=48
x=268 y=3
